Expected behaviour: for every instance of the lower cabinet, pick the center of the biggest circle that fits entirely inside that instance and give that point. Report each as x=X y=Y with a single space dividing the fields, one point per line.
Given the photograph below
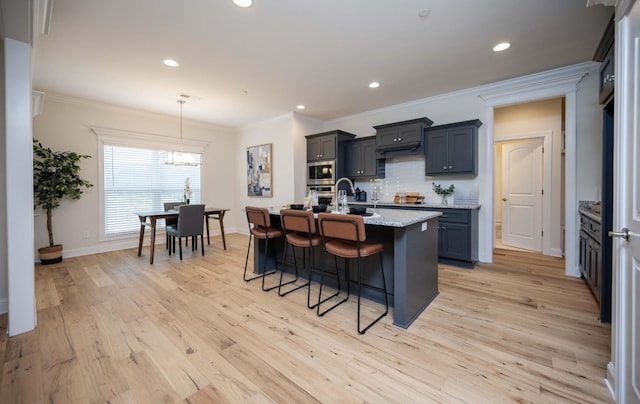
x=458 y=236
x=590 y=260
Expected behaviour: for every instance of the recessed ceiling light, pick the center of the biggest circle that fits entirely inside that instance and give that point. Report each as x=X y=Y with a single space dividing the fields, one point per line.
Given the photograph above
x=374 y=84
x=171 y=63
x=501 y=46
x=243 y=3
x=300 y=106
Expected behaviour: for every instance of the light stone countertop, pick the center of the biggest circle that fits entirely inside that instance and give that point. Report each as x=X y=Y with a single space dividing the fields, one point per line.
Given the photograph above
x=588 y=213
x=420 y=205
x=392 y=217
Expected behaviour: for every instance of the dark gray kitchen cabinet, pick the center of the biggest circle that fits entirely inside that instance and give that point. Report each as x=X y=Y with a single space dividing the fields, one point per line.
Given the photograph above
x=458 y=236
x=325 y=146
x=452 y=148
x=590 y=257
x=405 y=135
x=362 y=159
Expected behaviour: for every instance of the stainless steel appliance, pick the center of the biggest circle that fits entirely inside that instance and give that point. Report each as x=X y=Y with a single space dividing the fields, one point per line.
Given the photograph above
x=325 y=193
x=321 y=173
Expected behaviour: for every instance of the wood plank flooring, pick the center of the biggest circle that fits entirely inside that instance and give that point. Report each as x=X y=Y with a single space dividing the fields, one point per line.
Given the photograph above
x=112 y=328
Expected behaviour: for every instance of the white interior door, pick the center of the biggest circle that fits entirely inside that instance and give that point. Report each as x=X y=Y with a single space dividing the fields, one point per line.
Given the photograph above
x=626 y=251
x=522 y=184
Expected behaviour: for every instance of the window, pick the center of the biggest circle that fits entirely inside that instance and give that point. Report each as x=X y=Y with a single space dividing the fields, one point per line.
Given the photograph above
x=135 y=178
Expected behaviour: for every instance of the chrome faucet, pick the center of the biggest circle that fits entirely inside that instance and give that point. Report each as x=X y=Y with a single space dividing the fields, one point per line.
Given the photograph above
x=353 y=190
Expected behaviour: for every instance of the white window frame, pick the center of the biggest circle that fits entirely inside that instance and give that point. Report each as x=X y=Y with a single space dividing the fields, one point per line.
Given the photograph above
x=117 y=137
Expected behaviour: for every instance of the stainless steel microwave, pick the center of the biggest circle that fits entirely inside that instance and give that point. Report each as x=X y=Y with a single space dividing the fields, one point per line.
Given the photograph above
x=321 y=173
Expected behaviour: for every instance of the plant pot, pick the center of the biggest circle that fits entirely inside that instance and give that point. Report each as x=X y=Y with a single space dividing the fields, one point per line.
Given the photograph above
x=50 y=255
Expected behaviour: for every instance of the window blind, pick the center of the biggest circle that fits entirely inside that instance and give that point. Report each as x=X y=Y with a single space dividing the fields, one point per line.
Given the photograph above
x=137 y=180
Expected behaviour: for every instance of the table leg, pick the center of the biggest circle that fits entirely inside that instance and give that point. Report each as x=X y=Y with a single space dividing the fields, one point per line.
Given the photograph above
x=153 y=239
x=221 y=219
x=142 y=226
x=206 y=219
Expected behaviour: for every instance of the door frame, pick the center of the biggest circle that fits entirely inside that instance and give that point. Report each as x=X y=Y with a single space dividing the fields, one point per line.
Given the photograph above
x=536 y=88
x=546 y=181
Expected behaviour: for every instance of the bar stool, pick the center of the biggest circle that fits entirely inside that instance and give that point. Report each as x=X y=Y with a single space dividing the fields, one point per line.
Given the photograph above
x=343 y=236
x=300 y=230
x=261 y=230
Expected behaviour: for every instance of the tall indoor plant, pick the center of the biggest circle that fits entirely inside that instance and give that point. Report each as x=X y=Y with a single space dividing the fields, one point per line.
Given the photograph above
x=55 y=176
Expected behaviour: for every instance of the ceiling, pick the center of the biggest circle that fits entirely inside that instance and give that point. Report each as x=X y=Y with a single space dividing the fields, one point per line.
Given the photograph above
x=245 y=65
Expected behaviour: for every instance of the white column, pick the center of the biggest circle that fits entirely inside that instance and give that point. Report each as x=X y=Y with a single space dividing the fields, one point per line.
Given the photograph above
x=18 y=173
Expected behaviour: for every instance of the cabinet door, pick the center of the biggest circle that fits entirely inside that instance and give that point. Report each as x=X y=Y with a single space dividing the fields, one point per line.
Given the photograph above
x=321 y=148
x=387 y=136
x=583 y=258
x=594 y=267
x=461 y=151
x=369 y=162
x=437 y=153
x=456 y=241
x=353 y=152
x=410 y=133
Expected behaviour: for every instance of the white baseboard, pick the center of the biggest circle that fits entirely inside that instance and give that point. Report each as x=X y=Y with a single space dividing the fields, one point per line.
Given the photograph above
x=122 y=245
x=4 y=306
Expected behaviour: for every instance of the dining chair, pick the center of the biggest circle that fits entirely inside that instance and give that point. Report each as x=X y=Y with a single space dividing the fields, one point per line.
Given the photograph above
x=344 y=236
x=260 y=228
x=189 y=225
x=168 y=222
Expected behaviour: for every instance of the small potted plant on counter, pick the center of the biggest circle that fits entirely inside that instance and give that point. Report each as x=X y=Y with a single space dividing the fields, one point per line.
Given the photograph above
x=55 y=176
x=443 y=192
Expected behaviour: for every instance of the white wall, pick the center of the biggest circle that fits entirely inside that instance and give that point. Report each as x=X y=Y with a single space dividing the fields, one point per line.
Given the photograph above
x=65 y=125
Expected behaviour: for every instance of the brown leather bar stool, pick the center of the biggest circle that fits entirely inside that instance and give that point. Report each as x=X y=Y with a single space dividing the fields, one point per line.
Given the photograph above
x=344 y=236
x=260 y=229
x=300 y=229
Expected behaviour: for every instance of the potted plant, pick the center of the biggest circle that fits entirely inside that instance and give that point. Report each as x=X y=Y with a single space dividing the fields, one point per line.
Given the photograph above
x=443 y=192
x=55 y=176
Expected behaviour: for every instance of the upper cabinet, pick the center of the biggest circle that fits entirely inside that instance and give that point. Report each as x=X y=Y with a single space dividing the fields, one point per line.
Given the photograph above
x=325 y=146
x=605 y=54
x=401 y=136
x=452 y=148
x=362 y=159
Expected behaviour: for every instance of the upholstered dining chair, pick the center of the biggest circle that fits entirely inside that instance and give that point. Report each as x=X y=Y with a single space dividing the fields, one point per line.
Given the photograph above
x=189 y=225
x=344 y=236
x=168 y=222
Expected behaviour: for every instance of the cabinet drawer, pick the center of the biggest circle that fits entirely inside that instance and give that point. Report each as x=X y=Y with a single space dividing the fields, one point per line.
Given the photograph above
x=454 y=216
x=584 y=223
x=594 y=230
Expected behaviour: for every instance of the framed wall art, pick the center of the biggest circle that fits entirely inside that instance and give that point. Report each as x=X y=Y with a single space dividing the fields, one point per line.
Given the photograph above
x=259 y=170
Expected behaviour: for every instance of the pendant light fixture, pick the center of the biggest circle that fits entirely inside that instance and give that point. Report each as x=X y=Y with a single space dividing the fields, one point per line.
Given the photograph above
x=180 y=158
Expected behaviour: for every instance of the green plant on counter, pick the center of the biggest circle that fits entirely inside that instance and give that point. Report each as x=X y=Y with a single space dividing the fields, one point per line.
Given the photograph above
x=443 y=191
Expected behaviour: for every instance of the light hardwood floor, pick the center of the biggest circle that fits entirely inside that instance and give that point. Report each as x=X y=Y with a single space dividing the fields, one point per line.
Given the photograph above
x=112 y=328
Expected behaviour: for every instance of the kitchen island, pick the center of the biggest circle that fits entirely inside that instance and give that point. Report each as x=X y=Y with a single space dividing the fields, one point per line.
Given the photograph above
x=410 y=259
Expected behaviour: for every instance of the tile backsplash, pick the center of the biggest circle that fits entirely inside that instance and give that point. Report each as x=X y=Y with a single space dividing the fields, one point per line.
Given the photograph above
x=406 y=174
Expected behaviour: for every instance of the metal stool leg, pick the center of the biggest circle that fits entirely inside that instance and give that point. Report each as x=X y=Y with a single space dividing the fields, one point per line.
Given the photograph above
x=386 y=299
x=322 y=313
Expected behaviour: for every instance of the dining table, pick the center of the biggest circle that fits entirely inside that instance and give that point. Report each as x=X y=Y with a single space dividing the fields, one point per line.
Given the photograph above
x=154 y=216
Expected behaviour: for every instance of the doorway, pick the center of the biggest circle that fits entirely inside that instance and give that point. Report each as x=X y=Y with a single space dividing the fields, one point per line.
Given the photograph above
x=519 y=193
x=528 y=140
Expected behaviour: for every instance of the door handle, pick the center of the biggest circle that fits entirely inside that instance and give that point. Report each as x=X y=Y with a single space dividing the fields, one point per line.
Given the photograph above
x=624 y=233
x=504 y=199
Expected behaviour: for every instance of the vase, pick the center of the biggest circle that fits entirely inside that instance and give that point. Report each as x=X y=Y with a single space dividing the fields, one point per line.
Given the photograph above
x=445 y=201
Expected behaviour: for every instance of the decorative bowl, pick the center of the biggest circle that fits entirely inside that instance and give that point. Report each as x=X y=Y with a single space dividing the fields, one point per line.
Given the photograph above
x=319 y=208
x=296 y=206
x=357 y=210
